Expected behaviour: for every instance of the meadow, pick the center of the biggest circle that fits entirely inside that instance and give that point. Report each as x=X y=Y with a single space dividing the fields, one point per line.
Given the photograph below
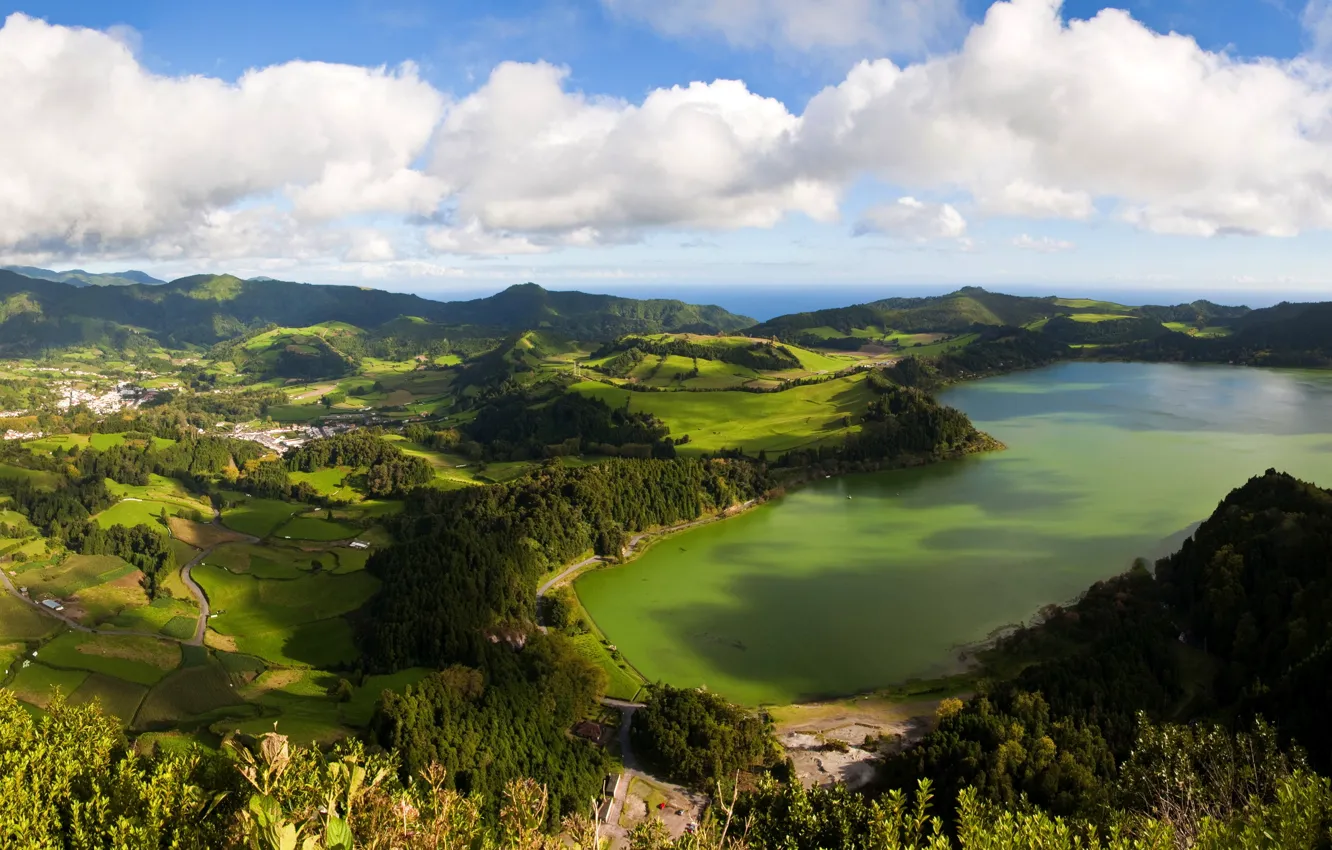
x=774 y=422
x=295 y=621
x=259 y=517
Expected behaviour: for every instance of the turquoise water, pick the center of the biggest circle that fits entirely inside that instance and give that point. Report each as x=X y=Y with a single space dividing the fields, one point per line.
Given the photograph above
x=818 y=594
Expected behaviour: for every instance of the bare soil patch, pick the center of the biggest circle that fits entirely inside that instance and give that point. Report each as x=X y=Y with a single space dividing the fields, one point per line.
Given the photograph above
x=842 y=741
x=202 y=535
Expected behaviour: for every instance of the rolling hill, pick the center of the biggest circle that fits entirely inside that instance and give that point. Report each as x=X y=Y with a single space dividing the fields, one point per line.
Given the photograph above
x=79 y=277
x=205 y=309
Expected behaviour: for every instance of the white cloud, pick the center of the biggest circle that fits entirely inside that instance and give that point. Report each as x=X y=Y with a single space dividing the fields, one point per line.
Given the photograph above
x=914 y=220
x=1031 y=117
x=1317 y=22
x=472 y=238
x=882 y=25
x=1037 y=115
x=111 y=157
x=524 y=155
x=1042 y=244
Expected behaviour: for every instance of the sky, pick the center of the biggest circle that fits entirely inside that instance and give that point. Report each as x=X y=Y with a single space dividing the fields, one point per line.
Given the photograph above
x=779 y=148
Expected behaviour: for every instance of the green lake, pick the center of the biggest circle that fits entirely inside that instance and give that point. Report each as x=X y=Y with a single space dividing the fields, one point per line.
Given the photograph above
x=859 y=582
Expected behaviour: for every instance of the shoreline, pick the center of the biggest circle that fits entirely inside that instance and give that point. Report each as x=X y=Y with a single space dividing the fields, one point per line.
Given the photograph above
x=643 y=541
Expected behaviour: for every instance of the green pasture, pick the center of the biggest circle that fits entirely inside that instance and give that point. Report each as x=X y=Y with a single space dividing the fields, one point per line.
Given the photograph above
x=1092 y=304
x=132 y=511
x=269 y=561
x=162 y=489
x=188 y=692
x=71 y=575
x=1210 y=332
x=774 y=422
x=315 y=527
x=326 y=482
x=157 y=616
x=295 y=622
x=50 y=443
x=38 y=478
x=35 y=682
x=116 y=696
x=446 y=466
x=357 y=712
x=1097 y=317
x=621 y=682
x=814 y=361
x=142 y=660
x=20 y=621
x=259 y=517
x=937 y=348
x=296 y=412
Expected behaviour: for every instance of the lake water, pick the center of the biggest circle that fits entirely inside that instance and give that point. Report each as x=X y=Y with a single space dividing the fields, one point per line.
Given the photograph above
x=816 y=594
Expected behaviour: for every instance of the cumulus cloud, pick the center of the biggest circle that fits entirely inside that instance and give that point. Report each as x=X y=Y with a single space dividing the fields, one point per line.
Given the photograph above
x=103 y=155
x=883 y=25
x=1031 y=117
x=1035 y=115
x=523 y=154
x=1042 y=244
x=914 y=220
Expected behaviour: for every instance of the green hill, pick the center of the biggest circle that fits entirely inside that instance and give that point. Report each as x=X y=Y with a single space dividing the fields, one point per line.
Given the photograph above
x=78 y=277
x=205 y=309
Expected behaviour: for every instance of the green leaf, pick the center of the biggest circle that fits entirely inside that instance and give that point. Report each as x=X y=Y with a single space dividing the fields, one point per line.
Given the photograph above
x=337 y=835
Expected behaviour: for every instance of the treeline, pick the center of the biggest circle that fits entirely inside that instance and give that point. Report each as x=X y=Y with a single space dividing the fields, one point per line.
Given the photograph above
x=527 y=424
x=996 y=351
x=1252 y=588
x=464 y=569
x=697 y=738
x=64 y=515
x=759 y=356
x=899 y=422
x=389 y=470
x=488 y=729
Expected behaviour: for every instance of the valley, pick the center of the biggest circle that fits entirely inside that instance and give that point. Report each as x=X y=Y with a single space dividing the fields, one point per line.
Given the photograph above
x=509 y=511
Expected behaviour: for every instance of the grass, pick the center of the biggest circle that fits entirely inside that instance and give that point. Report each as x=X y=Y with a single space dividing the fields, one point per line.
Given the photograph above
x=35 y=683
x=200 y=535
x=296 y=412
x=327 y=482
x=774 y=422
x=314 y=527
x=116 y=696
x=180 y=628
x=132 y=512
x=621 y=683
x=259 y=517
x=141 y=660
x=295 y=622
x=357 y=712
x=20 y=621
x=188 y=692
x=71 y=575
x=38 y=478
x=154 y=616
x=1095 y=318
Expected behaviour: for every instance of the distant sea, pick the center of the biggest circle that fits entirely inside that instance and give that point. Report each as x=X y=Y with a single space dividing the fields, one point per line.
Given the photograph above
x=764 y=302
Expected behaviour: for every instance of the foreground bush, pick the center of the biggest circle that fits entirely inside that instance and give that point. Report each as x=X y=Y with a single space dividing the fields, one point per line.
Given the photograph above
x=70 y=780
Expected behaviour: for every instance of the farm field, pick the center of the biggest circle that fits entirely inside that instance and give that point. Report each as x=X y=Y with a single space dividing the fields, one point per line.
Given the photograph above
x=132 y=511
x=259 y=517
x=294 y=621
x=315 y=527
x=774 y=422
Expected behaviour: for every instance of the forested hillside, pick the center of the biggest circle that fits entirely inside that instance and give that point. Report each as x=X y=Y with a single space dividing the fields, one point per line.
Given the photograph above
x=204 y=309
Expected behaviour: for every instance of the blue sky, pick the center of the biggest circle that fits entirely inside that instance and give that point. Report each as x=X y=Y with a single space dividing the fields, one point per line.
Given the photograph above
x=1023 y=199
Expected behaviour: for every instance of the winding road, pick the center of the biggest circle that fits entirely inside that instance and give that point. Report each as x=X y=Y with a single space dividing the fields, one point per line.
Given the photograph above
x=200 y=627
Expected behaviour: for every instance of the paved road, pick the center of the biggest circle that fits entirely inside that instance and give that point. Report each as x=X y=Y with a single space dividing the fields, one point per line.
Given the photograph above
x=199 y=628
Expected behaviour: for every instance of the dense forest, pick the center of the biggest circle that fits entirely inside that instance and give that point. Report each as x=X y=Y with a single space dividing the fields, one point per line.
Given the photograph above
x=698 y=738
